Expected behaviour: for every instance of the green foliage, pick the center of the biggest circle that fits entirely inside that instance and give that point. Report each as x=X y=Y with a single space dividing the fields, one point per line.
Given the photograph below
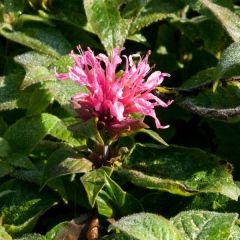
x=105 y=20
x=179 y=170
x=147 y=226
x=205 y=225
x=54 y=167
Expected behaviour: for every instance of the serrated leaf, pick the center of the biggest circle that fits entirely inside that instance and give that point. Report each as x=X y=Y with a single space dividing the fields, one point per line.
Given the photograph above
x=179 y=170
x=112 y=201
x=196 y=225
x=227 y=18
x=105 y=20
x=147 y=226
x=40 y=38
x=27 y=132
x=21 y=209
x=94 y=182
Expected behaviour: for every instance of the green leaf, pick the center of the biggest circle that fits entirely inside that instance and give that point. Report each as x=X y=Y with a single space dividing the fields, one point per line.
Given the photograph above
x=63 y=162
x=20 y=160
x=229 y=64
x=4 y=235
x=201 y=27
x=235 y=233
x=14 y=5
x=205 y=225
x=227 y=18
x=9 y=86
x=147 y=226
x=87 y=130
x=227 y=67
x=39 y=101
x=21 y=209
x=27 y=132
x=62 y=91
x=145 y=13
x=3 y=126
x=40 y=38
x=222 y=104
x=74 y=229
x=112 y=201
x=5 y=168
x=116 y=236
x=227 y=136
x=153 y=135
x=105 y=20
x=179 y=170
x=31 y=236
x=94 y=182
x=199 y=79
x=36 y=67
x=4 y=147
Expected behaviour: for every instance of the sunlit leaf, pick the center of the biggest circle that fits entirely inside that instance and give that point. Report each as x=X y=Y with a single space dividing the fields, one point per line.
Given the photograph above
x=205 y=225
x=26 y=133
x=21 y=209
x=179 y=170
x=112 y=201
x=94 y=182
x=105 y=19
x=147 y=226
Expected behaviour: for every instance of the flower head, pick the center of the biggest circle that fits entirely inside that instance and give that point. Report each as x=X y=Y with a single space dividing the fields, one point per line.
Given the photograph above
x=114 y=97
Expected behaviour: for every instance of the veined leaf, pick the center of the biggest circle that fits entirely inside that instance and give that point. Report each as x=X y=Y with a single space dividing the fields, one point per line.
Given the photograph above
x=42 y=39
x=105 y=20
x=179 y=170
x=31 y=236
x=147 y=226
x=112 y=201
x=63 y=162
x=27 y=132
x=196 y=225
x=222 y=104
x=21 y=209
x=36 y=67
x=9 y=87
x=94 y=182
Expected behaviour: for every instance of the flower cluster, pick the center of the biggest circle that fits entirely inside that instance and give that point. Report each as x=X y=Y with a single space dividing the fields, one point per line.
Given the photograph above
x=114 y=96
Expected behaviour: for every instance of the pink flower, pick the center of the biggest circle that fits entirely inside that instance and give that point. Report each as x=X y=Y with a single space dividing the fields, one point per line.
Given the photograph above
x=113 y=97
